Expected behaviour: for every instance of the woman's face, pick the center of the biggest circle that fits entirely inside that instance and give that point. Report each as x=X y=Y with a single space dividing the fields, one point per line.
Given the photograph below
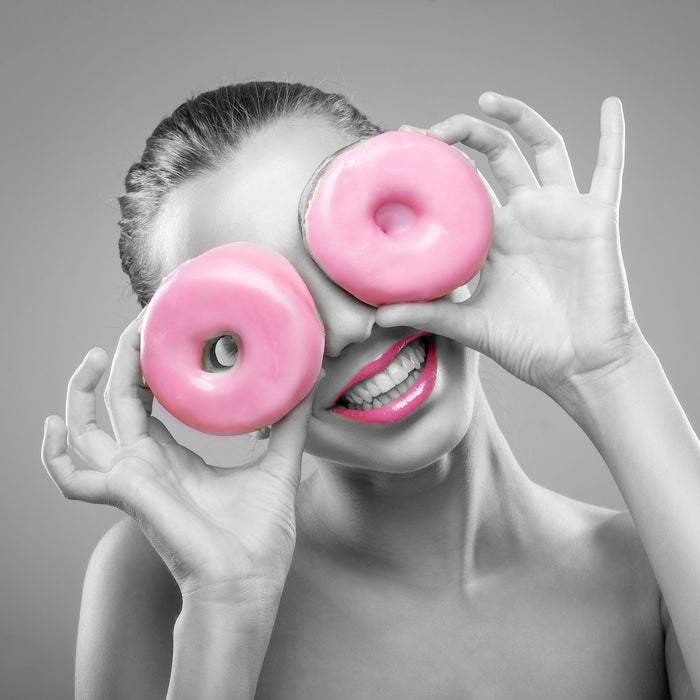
x=255 y=198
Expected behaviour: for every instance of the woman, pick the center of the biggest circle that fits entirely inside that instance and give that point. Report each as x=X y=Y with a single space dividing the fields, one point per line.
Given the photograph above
x=418 y=561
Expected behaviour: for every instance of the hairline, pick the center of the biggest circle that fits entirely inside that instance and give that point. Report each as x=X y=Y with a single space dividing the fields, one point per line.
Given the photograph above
x=164 y=220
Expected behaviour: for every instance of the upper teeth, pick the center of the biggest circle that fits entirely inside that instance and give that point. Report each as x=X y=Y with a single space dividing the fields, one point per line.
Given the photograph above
x=389 y=382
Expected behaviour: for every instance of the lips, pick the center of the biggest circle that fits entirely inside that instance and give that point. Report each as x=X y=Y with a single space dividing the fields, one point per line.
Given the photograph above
x=406 y=403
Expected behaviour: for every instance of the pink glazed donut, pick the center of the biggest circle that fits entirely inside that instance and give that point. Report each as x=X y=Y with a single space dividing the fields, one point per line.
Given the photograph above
x=398 y=217
x=231 y=340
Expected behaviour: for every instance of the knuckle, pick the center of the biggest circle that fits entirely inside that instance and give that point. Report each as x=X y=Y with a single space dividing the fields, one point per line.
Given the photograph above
x=548 y=140
x=503 y=136
x=456 y=123
x=516 y=110
x=556 y=136
x=503 y=143
x=71 y=437
x=65 y=490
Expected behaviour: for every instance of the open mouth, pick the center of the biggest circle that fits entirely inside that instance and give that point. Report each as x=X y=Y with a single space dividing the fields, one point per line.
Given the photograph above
x=395 y=390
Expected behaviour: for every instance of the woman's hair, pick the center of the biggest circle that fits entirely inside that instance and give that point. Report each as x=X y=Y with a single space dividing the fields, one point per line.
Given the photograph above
x=200 y=135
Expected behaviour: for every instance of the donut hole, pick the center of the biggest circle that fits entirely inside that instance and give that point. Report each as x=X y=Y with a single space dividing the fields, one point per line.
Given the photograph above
x=220 y=353
x=394 y=217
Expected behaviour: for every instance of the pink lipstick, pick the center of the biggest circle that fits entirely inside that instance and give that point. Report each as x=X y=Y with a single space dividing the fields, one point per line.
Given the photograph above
x=409 y=401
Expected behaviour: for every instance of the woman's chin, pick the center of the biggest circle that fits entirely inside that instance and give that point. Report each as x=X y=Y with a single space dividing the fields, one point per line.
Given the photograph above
x=411 y=452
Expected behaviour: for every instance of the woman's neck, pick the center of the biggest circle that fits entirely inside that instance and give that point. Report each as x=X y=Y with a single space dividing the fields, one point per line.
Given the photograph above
x=466 y=515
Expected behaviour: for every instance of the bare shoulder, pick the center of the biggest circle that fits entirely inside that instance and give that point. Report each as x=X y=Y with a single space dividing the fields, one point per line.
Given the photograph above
x=632 y=585
x=603 y=544
x=128 y=545
x=615 y=535
x=129 y=606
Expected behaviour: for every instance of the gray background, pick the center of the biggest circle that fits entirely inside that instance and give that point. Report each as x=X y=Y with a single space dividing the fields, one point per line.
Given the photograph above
x=83 y=83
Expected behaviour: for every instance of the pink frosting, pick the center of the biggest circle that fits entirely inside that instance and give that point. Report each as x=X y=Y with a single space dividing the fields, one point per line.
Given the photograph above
x=399 y=217
x=254 y=294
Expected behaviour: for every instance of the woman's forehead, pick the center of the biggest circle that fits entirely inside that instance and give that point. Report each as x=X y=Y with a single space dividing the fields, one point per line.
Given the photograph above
x=252 y=197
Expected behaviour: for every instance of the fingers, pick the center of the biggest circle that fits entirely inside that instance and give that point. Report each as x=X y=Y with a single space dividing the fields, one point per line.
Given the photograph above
x=159 y=432
x=128 y=400
x=462 y=322
x=84 y=485
x=508 y=164
x=412 y=129
x=89 y=442
x=434 y=316
x=551 y=157
x=606 y=184
x=489 y=190
x=288 y=436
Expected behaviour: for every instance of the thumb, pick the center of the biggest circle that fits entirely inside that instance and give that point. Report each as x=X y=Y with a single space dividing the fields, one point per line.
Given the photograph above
x=288 y=436
x=463 y=322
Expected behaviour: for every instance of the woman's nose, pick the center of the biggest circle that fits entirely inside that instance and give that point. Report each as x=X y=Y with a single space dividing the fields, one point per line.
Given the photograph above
x=346 y=320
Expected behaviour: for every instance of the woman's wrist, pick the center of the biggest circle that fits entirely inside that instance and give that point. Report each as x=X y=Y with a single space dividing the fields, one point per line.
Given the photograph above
x=232 y=611
x=234 y=591
x=583 y=394
x=219 y=647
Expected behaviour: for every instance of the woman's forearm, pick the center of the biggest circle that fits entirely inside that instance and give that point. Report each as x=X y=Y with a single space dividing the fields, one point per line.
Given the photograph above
x=635 y=421
x=218 y=650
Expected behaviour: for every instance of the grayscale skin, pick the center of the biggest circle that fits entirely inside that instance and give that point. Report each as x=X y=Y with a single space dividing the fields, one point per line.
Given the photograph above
x=418 y=561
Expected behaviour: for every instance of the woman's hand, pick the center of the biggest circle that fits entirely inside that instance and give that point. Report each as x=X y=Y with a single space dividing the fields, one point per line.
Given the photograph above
x=227 y=535
x=552 y=305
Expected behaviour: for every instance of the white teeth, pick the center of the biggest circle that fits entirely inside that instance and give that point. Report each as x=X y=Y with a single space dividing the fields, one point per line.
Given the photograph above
x=372 y=388
x=390 y=384
x=405 y=362
x=397 y=372
x=366 y=396
x=413 y=356
x=354 y=397
x=384 y=382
